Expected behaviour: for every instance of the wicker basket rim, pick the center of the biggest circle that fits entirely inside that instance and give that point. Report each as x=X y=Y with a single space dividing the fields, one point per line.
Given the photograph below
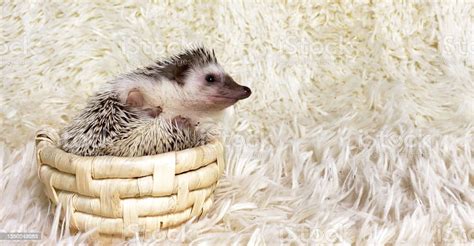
x=103 y=167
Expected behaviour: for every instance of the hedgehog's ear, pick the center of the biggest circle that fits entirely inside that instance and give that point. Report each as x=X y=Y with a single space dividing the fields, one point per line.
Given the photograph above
x=135 y=98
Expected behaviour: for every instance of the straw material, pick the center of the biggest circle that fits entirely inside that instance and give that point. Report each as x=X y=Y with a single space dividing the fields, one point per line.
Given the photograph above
x=120 y=196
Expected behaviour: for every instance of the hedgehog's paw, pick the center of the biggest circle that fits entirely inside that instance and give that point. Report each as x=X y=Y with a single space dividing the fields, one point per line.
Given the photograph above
x=182 y=122
x=153 y=112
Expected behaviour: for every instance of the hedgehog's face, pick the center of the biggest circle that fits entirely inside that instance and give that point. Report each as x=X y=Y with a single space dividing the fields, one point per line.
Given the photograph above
x=209 y=88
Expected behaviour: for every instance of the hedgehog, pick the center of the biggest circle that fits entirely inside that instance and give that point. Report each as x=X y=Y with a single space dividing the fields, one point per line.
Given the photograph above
x=155 y=109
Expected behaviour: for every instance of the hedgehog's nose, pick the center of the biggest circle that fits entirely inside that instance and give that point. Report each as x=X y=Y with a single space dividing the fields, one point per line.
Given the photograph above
x=247 y=92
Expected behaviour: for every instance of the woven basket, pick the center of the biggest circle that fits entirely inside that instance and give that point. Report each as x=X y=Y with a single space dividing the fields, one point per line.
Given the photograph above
x=120 y=196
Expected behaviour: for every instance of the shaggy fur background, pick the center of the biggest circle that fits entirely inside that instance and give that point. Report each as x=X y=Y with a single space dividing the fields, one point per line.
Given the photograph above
x=359 y=128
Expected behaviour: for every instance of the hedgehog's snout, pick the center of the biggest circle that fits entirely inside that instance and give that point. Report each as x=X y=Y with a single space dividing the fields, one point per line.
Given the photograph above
x=246 y=92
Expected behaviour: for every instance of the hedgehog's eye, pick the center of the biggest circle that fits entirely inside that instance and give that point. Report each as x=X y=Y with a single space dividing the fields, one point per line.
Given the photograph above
x=210 y=78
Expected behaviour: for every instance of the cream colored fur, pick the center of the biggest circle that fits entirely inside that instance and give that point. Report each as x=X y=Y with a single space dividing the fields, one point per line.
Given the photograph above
x=359 y=128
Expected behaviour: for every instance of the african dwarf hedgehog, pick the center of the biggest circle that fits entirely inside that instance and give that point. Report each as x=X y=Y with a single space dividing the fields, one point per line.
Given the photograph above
x=155 y=109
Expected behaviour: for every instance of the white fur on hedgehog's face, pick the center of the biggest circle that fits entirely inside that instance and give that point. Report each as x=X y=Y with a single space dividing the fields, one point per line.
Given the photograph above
x=209 y=88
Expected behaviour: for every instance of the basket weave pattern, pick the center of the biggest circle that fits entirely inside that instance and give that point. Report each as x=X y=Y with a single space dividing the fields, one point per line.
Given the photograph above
x=123 y=195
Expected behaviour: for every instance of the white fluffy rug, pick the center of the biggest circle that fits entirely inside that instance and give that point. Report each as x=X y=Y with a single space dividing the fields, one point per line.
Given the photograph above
x=359 y=129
